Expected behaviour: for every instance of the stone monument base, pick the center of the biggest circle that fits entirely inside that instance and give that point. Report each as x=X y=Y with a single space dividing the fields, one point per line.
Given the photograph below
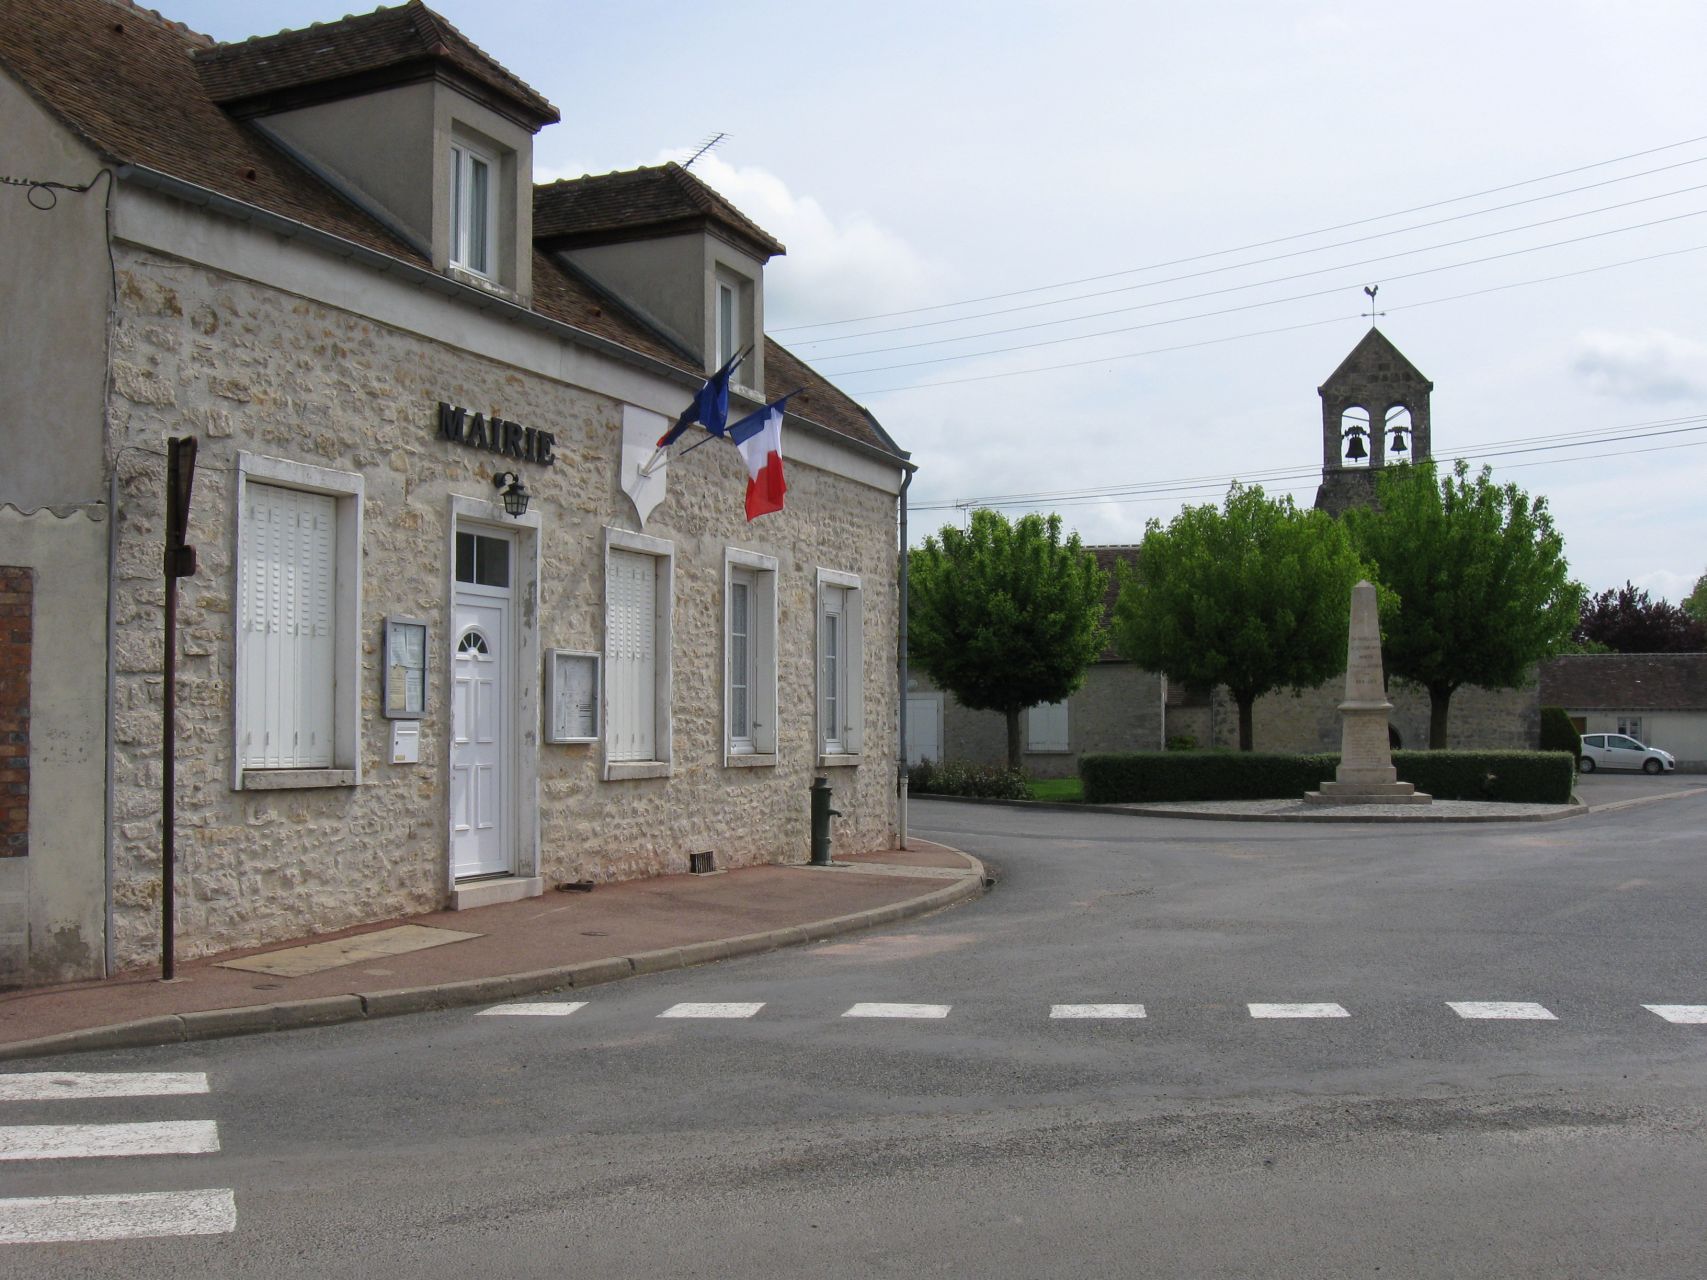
x=1367 y=793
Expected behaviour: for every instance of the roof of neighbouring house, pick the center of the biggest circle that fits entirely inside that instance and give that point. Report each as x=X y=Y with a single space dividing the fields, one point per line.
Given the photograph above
x=356 y=53
x=135 y=87
x=607 y=208
x=1625 y=682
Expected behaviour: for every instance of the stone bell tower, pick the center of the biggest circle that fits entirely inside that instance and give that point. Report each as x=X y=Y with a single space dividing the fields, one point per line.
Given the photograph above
x=1374 y=411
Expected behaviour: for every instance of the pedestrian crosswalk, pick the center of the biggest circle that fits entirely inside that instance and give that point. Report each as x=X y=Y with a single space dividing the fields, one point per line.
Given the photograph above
x=1468 y=1010
x=128 y=1215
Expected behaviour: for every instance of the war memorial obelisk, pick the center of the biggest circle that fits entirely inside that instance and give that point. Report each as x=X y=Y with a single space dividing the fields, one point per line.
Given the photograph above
x=1365 y=774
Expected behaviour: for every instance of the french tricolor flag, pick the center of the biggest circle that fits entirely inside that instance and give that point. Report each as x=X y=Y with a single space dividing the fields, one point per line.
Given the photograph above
x=759 y=438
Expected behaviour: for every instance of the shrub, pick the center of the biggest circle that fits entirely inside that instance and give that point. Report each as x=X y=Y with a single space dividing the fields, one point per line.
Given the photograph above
x=1125 y=777
x=1525 y=777
x=1532 y=777
x=1182 y=742
x=957 y=778
x=1559 y=734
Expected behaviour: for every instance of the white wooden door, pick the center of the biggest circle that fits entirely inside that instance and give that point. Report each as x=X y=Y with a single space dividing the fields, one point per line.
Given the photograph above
x=924 y=727
x=479 y=753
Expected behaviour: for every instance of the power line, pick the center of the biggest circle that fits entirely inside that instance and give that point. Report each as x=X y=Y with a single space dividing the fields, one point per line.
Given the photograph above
x=1261 y=244
x=1254 y=262
x=1262 y=333
x=1163 y=489
x=1258 y=284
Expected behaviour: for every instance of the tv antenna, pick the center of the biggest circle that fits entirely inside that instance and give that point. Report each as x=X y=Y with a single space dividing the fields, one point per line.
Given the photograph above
x=1372 y=313
x=704 y=147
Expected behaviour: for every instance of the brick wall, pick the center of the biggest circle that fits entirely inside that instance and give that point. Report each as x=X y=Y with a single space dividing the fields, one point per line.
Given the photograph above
x=17 y=591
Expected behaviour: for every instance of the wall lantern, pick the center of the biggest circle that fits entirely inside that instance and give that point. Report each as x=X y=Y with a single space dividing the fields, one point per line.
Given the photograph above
x=515 y=492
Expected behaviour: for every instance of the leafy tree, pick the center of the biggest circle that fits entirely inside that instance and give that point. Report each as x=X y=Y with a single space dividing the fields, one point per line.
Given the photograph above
x=1480 y=587
x=1254 y=594
x=1625 y=620
x=1005 y=616
x=1695 y=603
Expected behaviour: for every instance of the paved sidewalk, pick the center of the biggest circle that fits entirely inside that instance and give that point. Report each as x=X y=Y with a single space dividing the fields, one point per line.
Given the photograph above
x=561 y=940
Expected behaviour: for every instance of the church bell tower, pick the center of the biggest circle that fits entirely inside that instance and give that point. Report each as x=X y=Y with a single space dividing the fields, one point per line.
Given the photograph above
x=1374 y=411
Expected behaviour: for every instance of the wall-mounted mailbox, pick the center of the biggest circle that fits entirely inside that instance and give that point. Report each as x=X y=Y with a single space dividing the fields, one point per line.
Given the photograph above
x=571 y=696
x=404 y=696
x=405 y=742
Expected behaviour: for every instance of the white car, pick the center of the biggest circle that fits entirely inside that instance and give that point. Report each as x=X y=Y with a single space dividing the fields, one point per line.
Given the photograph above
x=1621 y=751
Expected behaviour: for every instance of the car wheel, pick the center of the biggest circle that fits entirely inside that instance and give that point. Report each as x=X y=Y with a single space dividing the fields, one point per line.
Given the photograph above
x=1585 y=764
x=1651 y=766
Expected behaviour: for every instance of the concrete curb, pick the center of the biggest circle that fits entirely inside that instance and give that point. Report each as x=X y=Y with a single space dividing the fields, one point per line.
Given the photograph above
x=178 y=1028
x=1576 y=809
x=1636 y=801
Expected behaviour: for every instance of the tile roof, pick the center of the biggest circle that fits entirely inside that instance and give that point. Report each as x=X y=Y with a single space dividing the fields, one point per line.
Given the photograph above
x=609 y=207
x=1625 y=682
x=405 y=41
x=125 y=80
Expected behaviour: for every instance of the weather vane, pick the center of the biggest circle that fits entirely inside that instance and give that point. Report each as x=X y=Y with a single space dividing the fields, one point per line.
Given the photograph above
x=1372 y=290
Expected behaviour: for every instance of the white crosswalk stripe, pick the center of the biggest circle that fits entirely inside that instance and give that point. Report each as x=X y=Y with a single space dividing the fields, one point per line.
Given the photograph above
x=1096 y=1011
x=144 y=1215
x=897 y=1011
x=712 y=1010
x=1297 y=1011
x=535 y=1009
x=1509 y=1009
x=109 y=1216
x=36 y=1086
x=1684 y=1013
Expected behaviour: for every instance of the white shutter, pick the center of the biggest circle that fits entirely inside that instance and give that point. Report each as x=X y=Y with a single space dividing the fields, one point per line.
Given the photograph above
x=287 y=580
x=1046 y=727
x=632 y=671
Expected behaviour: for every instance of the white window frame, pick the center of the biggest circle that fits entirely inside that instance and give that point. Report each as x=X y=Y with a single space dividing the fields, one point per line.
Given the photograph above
x=1038 y=740
x=758 y=572
x=841 y=744
x=662 y=670
x=346 y=488
x=463 y=156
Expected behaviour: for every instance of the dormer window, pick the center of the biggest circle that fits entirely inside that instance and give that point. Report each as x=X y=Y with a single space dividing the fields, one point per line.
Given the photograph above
x=473 y=209
x=732 y=321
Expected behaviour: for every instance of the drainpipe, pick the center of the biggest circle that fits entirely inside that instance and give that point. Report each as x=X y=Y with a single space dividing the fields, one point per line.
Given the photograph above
x=901 y=668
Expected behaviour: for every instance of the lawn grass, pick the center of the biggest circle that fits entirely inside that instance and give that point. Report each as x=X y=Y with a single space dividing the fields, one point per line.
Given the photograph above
x=1059 y=790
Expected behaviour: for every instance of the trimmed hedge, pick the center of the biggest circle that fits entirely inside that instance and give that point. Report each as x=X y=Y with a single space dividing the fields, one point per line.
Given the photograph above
x=1533 y=777
x=955 y=778
x=1129 y=776
x=1559 y=734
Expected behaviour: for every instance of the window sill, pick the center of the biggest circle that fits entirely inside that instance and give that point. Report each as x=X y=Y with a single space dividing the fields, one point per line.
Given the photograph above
x=750 y=760
x=838 y=761
x=294 y=779
x=627 y=770
x=462 y=275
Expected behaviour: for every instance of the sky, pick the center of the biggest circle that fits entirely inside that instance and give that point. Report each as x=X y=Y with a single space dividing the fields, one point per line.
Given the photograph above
x=1096 y=256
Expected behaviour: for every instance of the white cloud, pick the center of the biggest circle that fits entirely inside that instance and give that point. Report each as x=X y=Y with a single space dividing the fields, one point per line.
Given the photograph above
x=836 y=266
x=1654 y=365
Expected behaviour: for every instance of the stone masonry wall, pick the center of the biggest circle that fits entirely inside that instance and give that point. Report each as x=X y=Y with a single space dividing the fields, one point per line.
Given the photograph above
x=1479 y=719
x=1118 y=708
x=246 y=367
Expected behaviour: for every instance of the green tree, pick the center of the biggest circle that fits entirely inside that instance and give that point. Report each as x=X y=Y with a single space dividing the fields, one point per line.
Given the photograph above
x=1695 y=603
x=1477 y=574
x=1005 y=615
x=1254 y=594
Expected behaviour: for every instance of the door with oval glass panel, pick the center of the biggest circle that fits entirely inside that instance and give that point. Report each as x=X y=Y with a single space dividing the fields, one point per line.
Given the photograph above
x=482 y=674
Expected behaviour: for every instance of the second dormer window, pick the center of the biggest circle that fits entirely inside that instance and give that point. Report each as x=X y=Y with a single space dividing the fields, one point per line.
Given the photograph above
x=728 y=322
x=473 y=213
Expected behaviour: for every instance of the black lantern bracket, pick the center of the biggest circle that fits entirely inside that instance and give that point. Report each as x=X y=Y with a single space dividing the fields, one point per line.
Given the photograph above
x=514 y=492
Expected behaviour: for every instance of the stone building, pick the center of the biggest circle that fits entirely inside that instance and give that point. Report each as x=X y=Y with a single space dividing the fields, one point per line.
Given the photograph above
x=1375 y=412
x=321 y=254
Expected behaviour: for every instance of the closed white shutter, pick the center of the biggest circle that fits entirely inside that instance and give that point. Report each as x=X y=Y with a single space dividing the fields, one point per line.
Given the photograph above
x=1046 y=727
x=285 y=626
x=631 y=677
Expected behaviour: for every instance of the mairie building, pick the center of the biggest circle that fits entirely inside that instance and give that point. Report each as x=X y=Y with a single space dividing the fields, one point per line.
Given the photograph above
x=449 y=630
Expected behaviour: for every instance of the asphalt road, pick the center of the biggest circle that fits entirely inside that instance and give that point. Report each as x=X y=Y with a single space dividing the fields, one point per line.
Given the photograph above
x=1399 y=1139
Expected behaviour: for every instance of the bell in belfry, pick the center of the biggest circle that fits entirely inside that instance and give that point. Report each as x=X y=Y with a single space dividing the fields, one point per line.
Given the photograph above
x=1355 y=450
x=1398 y=445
